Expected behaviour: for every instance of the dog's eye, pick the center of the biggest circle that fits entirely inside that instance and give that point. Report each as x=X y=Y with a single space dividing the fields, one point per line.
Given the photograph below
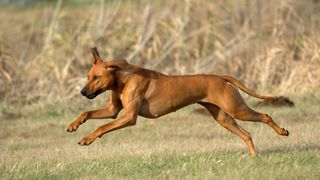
x=96 y=77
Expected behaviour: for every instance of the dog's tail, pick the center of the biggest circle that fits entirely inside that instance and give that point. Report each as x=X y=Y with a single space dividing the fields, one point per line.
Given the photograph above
x=243 y=88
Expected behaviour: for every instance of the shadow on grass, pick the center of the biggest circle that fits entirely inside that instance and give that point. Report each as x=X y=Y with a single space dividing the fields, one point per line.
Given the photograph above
x=295 y=148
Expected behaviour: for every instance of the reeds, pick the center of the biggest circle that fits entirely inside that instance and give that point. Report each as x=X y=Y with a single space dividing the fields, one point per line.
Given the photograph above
x=271 y=46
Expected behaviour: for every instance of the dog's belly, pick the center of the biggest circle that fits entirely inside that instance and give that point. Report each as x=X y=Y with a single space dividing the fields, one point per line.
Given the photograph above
x=154 y=111
x=171 y=94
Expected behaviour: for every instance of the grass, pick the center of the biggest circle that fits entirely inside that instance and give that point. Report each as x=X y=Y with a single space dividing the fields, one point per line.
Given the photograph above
x=208 y=165
x=182 y=145
x=271 y=47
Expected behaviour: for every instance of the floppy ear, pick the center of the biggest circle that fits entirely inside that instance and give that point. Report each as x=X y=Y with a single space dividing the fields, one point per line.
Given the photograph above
x=96 y=56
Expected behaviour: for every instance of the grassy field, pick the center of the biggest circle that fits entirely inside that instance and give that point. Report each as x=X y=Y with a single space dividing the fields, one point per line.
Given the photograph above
x=272 y=46
x=181 y=145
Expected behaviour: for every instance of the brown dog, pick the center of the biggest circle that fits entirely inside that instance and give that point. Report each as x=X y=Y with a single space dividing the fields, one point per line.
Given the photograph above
x=151 y=94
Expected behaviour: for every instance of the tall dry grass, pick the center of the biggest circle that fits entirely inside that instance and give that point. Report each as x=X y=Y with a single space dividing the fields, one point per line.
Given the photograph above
x=271 y=46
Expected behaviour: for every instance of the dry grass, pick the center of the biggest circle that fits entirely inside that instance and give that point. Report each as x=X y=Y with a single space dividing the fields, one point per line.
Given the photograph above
x=180 y=145
x=272 y=46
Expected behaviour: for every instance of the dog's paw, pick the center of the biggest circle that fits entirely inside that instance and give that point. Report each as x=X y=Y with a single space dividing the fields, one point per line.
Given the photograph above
x=285 y=132
x=72 y=127
x=86 y=141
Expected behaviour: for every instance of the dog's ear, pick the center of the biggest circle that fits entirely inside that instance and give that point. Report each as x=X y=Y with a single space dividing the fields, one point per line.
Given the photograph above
x=117 y=64
x=96 y=56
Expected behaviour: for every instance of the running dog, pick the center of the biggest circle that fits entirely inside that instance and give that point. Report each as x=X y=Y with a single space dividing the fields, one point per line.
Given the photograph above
x=151 y=94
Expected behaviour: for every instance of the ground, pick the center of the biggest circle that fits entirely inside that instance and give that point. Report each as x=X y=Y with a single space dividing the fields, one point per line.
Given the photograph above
x=181 y=145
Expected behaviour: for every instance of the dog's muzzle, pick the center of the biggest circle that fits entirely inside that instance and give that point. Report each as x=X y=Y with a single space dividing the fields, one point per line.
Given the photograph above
x=90 y=96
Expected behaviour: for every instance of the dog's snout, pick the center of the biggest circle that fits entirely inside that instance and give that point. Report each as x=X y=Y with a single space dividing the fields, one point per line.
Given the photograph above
x=83 y=92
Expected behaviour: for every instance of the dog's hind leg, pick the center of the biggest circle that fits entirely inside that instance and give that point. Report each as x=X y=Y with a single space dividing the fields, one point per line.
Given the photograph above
x=233 y=104
x=247 y=114
x=230 y=124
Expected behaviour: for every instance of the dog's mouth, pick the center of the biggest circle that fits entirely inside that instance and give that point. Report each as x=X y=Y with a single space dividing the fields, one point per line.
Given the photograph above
x=93 y=95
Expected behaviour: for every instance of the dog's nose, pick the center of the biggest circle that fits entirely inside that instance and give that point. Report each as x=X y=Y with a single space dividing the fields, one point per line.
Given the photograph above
x=83 y=92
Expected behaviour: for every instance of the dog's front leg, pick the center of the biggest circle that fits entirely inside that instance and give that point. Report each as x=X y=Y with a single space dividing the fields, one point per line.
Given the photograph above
x=126 y=120
x=131 y=103
x=108 y=112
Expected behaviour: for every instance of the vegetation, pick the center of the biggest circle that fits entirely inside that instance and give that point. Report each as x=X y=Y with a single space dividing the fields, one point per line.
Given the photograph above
x=271 y=46
x=181 y=145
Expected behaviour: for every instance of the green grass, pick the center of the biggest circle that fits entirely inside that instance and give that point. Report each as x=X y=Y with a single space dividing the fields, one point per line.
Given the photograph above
x=229 y=165
x=182 y=145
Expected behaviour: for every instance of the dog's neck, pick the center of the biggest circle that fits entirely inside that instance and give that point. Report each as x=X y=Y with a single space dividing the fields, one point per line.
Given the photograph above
x=122 y=76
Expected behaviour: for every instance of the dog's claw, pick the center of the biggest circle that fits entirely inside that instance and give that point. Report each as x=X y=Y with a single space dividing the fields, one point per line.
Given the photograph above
x=85 y=141
x=72 y=128
x=82 y=143
x=286 y=132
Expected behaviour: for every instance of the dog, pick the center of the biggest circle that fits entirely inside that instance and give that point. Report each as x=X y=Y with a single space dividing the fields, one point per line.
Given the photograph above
x=151 y=94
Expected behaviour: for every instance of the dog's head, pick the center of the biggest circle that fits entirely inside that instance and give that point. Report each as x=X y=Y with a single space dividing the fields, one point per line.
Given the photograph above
x=102 y=75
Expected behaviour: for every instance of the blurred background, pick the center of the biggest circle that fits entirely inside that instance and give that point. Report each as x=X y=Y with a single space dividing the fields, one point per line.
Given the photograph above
x=271 y=46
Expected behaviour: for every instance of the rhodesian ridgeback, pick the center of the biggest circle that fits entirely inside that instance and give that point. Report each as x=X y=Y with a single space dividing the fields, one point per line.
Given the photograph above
x=152 y=94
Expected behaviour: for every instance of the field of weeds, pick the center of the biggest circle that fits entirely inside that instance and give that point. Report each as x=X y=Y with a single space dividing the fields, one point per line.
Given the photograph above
x=272 y=46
